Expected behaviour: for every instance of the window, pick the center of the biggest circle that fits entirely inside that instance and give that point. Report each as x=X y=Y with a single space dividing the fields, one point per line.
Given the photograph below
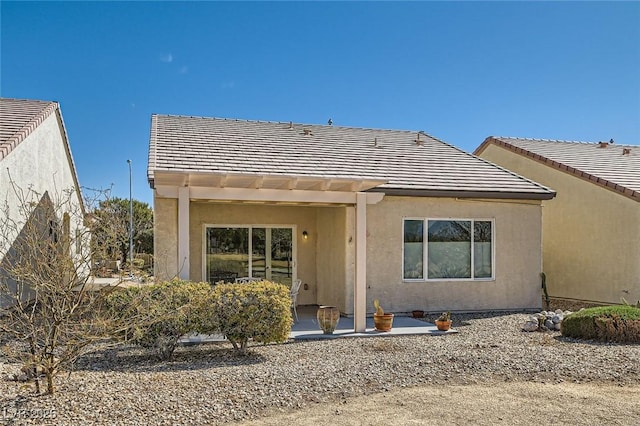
x=249 y=251
x=454 y=249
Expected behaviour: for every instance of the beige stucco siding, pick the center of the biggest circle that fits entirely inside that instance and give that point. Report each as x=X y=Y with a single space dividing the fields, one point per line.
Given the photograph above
x=165 y=238
x=517 y=256
x=326 y=260
x=330 y=258
x=591 y=234
x=301 y=218
x=320 y=258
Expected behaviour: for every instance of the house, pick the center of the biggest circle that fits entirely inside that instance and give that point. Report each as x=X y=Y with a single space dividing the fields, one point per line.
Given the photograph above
x=357 y=214
x=591 y=230
x=36 y=166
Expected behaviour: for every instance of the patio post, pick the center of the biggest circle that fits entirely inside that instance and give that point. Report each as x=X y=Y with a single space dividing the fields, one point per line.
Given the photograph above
x=360 y=286
x=183 y=232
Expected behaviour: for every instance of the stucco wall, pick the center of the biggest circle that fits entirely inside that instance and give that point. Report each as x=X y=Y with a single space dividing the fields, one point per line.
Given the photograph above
x=165 y=238
x=330 y=257
x=301 y=218
x=39 y=162
x=38 y=165
x=517 y=262
x=591 y=235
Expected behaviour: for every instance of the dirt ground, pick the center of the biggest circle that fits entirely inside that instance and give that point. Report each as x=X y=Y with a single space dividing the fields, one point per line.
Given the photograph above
x=516 y=403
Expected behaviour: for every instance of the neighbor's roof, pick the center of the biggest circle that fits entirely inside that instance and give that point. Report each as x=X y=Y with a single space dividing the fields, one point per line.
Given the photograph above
x=20 y=117
x=392 y=161
x=615 y=167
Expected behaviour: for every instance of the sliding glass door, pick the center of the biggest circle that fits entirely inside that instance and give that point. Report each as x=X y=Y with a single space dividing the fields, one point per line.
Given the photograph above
x=249 y=251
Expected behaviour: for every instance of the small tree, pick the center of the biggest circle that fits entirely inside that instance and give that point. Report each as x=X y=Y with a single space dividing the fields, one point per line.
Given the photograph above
x=113 y=217
x=46 y=296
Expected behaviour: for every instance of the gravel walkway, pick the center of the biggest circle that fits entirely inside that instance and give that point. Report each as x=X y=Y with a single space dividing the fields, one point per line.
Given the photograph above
x=209 y=384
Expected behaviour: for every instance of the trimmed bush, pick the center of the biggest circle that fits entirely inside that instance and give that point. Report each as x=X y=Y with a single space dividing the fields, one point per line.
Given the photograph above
x=259 y=310
x=160 y=314
x=606 y=323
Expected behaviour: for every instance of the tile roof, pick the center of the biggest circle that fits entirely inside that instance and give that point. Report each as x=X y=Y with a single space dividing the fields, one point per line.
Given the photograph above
x=18 y=118
x=607 y=164
x=405 y=160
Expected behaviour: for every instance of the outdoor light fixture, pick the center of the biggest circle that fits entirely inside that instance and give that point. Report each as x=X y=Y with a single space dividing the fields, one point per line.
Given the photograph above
x=305 y=235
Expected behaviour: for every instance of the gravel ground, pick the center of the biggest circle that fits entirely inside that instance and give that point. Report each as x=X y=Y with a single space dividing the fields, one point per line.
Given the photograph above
x=209 y=384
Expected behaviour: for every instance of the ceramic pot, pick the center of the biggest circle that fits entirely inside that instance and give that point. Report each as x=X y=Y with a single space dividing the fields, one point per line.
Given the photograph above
x=417 y=314
x=443 y=325
x=328 y=318
x=383 y=322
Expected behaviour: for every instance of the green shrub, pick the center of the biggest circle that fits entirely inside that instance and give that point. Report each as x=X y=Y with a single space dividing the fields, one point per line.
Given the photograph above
x=160 y=314
x=607 y=323
x=259 y=310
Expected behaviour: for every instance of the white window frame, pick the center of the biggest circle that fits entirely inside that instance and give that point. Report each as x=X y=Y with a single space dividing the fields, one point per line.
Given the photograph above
x=425 y=249
x=294 y=243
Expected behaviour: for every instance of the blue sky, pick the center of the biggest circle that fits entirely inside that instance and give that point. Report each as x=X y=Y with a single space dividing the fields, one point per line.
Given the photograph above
x=460 y=71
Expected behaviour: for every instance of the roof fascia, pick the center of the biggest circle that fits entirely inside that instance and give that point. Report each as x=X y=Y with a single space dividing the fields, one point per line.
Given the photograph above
x=72 y=165
x=151 y=162
x=465 y=194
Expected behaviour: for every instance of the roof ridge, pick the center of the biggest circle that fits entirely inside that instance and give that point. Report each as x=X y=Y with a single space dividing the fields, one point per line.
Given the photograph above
x=559 y=141
x=244 y=120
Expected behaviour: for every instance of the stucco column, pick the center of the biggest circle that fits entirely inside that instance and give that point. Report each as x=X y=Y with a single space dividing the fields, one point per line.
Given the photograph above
x=183 y=233
x=360 y=287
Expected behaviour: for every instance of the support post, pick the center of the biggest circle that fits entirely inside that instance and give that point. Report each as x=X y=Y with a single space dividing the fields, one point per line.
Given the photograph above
x=360 y=290
x=183 y=233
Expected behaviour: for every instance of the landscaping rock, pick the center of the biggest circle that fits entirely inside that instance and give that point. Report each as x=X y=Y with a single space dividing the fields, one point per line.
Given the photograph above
x=545 y=320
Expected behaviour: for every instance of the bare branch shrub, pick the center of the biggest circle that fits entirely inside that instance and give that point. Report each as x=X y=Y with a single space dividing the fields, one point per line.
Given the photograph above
x=51 y=309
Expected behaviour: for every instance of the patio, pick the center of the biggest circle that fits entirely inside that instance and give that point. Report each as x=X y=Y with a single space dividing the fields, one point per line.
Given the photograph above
x=307 y=327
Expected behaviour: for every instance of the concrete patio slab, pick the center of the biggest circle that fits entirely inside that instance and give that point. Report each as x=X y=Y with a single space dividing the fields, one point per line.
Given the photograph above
x=307 y=327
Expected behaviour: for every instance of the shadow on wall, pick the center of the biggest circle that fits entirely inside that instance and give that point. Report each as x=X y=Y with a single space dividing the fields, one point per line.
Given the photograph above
x=41 y=232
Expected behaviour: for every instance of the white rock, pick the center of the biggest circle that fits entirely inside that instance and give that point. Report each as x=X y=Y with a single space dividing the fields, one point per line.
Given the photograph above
x=530 y=326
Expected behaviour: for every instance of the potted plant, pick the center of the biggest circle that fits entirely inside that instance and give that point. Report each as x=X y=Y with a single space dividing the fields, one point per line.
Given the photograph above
x=444 y=321
x=382 y=321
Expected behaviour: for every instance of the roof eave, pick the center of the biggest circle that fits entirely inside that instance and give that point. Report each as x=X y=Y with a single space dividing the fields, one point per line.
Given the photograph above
x=500 y=195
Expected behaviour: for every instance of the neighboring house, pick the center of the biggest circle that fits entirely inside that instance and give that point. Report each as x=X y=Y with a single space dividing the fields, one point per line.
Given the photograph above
x=356 y=214
x=36 y=166
x=591 y=230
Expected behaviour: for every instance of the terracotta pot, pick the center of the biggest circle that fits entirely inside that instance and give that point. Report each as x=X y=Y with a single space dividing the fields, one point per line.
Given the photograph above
x=328 y=318
x=417 y=314
x=443 y=325
x=383 y=322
